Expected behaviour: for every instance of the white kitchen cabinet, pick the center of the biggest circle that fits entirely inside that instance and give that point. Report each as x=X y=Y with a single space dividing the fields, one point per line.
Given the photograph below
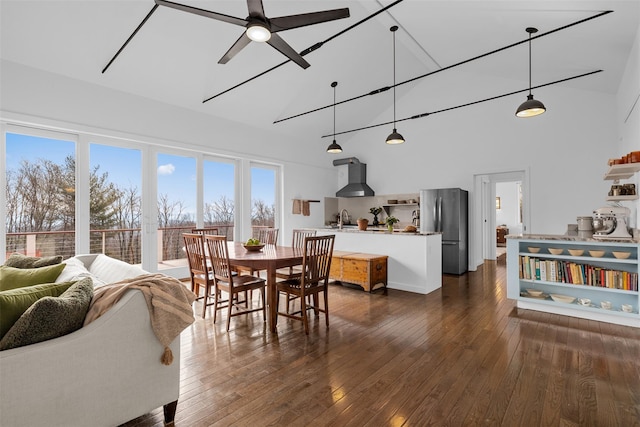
x=603 y=277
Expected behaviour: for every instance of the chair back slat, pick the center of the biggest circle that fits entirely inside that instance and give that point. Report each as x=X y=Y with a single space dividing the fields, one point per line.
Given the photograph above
x=219 y=256
x=268 y=236
x=299 y=235
x=194 y=246
x=316 y=260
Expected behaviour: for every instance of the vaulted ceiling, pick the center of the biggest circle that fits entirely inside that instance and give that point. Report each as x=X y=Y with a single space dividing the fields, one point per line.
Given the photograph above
x=174 y=57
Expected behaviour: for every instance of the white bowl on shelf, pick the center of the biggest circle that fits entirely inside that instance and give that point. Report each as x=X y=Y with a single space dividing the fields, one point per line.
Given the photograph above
x=555 y=251
x=576 y=252
x=621 y=255
x=596 y=254
x=563 y=298
x=534 y=292
x=533 y=249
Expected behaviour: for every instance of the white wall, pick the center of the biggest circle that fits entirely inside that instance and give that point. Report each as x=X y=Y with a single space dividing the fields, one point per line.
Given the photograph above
x=628 y=117
x=565 y=150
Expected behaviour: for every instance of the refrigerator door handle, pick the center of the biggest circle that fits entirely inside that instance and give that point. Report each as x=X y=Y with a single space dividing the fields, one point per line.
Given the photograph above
x=445 y=242
x=440 y=214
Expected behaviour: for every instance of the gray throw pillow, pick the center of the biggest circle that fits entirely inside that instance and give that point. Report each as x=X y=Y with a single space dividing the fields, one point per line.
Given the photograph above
x=51 y=317
x=23 y=261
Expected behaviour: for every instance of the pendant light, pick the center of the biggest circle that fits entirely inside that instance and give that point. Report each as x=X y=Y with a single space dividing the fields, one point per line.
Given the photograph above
x=531 y=107
x=334 y=147
x=394 y=137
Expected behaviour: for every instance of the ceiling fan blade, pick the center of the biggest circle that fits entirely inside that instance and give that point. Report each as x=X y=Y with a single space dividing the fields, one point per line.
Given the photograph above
x=237 y=47
x=296 y=21
x=256 y=9
x=282 y=47
x=202 y=12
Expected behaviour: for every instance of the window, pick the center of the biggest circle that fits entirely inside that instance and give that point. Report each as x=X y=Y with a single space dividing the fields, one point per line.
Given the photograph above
x=263 y=196
x=115 y=208
x=176 y=206
x=40 y=192
x=219 y=192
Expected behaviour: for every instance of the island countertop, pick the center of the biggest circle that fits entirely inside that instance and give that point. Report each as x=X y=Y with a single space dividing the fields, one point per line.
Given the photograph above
x=374 y=230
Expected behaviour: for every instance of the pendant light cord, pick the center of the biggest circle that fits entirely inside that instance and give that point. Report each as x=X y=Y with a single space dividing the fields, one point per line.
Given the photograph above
x=393 y=29
x=529 y=63
x=333 y=85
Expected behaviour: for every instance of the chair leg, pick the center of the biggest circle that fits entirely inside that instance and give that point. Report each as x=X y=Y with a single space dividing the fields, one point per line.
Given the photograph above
x=204 y=301
x=326 y=306
x=216 y=301
x=305 y=321
x=230 y=305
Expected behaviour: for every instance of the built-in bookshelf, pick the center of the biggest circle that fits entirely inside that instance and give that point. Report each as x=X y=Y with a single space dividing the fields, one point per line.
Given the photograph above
x=588 y=282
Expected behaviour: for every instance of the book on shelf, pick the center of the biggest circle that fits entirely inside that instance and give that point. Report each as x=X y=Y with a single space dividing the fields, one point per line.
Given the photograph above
x=569 y=272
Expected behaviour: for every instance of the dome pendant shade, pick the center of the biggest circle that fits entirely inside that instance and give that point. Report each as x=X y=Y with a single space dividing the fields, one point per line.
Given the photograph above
x=258 y=33
x=334 y=148
x=531 y=107
x=395 y=138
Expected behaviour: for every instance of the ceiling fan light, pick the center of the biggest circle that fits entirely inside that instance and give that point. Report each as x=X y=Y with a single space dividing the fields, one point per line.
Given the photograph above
x=258 y=33
x=530 y=108
x=395 y=138
x=334 y=147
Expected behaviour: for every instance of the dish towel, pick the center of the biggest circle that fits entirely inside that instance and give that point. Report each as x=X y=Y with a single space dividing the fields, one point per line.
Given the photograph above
x=297 y=206
x=305 y=208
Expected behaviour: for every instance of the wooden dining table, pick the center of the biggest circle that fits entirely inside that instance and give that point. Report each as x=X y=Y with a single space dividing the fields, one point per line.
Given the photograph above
x=270 y=258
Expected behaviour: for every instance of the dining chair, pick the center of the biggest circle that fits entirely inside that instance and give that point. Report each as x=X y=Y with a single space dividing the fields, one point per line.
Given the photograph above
x=226 y=281
x=199 y=270
x=313 y=281
x=266 y=235
x=206 y=230
x=294 y=272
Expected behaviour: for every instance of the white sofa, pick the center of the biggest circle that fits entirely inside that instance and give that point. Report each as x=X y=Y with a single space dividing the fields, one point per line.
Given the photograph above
x=104 y=374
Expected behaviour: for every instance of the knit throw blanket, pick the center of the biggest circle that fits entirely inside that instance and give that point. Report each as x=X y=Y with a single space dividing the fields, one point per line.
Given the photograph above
x=168 y=301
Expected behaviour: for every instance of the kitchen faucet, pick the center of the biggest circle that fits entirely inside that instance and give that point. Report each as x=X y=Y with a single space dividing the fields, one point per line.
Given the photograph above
x=340 y=220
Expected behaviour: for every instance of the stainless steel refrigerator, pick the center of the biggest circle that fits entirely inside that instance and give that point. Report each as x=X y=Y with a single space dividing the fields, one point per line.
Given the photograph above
x=445 y=210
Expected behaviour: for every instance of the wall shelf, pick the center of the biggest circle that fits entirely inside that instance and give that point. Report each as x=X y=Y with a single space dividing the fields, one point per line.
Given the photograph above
x=624 y=171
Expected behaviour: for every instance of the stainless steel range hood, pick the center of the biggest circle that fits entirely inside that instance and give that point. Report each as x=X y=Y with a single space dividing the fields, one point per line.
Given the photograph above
x=357 y=186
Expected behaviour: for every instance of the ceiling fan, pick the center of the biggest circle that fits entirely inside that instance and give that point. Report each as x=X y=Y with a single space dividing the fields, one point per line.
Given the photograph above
x=259 y=28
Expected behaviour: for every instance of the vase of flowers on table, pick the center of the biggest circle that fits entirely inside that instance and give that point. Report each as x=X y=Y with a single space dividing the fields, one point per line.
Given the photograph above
x=390 y=221
x=375 y=211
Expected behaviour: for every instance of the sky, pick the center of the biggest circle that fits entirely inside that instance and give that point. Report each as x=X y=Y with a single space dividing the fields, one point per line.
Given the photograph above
x=176 y=174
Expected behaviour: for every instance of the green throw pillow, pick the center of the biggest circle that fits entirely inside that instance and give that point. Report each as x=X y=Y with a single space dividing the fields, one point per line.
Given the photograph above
x=23 y=261
x=51 y=317
x=13 y=278
x=14 y=302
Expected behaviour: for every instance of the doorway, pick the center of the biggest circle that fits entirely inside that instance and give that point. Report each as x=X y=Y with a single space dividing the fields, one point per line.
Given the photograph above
x=511 y=190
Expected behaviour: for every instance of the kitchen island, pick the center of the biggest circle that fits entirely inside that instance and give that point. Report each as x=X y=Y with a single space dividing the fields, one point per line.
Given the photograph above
x=415 y=260
x=575 y=276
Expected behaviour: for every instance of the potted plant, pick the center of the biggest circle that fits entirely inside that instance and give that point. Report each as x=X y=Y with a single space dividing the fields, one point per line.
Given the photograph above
x=390 y=221
x=362 y=223
x=375 y=211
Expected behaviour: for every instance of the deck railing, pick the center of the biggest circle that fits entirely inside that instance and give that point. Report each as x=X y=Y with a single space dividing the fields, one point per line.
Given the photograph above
x=123 y=243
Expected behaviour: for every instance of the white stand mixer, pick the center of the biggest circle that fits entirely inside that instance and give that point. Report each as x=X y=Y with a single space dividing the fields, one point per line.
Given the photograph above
x=610 y=222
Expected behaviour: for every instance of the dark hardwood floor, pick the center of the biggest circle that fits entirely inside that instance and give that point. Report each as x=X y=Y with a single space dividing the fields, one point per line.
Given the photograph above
x=460 y=356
